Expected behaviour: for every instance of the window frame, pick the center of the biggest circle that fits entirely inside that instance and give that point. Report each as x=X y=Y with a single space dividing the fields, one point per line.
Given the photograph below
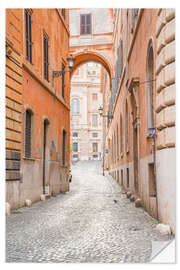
x=28 y=35
x=28 y=136
x=85 y=24
x=64 y=139
x=46 y=56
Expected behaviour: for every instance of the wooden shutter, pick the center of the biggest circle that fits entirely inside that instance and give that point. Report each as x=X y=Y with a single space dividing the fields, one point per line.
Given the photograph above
x=63 y=80
x=46 y=58
x=88 y=24
x=64 y=148
x=28 y=134
x=82 y=24
x=28 y=36
x=85 y=24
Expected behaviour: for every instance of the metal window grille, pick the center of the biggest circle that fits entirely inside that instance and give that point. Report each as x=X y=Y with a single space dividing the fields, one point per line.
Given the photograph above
x=85 y=24
x=46 y=56
x=63 y=80
x=64 y=148
x=28 y=134
x=28 y=29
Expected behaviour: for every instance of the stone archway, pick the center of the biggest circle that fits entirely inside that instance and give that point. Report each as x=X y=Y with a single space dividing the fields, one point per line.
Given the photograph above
x=87 y=56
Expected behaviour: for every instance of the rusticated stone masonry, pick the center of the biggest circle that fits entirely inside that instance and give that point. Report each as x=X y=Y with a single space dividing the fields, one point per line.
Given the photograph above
x=165 y=78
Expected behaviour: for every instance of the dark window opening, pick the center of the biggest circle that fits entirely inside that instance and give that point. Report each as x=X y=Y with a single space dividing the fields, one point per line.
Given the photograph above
x=127 y=177
x=64 y=148
x=63 y=80
x=28 y=36
x=75 y=134
x=95 y=147
x=28 y=134
x=75 y=147
x=63 y=12
x=85 y=24
x=121 y=177
x=46 y=56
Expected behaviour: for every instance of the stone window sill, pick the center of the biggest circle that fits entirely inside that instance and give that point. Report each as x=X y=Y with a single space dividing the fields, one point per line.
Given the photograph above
x=29 y=158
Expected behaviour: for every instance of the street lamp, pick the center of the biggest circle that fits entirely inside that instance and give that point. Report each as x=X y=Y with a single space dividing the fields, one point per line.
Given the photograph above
x=57 y=73
x=109 y=116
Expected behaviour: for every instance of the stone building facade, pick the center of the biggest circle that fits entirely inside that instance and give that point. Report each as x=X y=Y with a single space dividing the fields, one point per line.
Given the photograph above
x=86 y=124
x=37 y=104
x=141 y=135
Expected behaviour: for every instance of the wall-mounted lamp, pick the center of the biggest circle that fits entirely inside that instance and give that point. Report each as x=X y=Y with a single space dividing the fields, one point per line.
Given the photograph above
x=109 y=116
x=57 y=73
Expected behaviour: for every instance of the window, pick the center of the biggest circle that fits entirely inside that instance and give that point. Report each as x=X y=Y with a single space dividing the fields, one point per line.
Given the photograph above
x=75 y=156
x=75 y=134
x=28 y=36
x=95 y=147
x=75 y=147
x=127 y=177
x=95 y=156
x=127 y=127
x=63 y=12
x=94 y=96
x=28 y=131
x=94 y=120
x=150 y=88
x=95 y=135
x=63 y=79
x=85 y=24
x=121 y=177
x=64 y=148
x=46 y=56
x=75 y=105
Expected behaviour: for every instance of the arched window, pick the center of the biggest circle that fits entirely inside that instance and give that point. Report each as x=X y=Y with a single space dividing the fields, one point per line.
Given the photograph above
x=28 y=133
x=127 y=127
x=75 y=105
x=150 y=88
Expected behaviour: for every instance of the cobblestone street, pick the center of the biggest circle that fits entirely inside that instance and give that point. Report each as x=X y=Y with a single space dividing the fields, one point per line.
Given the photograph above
x=84 y=225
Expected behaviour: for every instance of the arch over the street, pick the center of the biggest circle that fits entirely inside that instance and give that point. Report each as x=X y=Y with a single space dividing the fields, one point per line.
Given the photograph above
x=88 y=56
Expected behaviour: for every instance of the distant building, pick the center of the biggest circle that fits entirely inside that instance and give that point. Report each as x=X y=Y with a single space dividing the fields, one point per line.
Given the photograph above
x=86 y=124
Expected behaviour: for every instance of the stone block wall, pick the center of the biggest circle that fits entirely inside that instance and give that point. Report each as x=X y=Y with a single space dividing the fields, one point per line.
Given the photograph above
x=165 y=78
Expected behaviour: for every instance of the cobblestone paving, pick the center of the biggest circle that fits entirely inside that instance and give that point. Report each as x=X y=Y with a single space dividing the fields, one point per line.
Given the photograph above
x=84 y=225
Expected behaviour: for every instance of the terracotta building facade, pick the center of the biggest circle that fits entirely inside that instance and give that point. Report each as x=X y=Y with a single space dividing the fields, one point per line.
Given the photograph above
x=86 y=123
x=37 y=104
x=141 y=135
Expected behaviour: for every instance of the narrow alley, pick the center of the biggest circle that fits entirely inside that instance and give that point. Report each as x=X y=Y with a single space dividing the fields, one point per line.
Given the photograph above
x=92 y=223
